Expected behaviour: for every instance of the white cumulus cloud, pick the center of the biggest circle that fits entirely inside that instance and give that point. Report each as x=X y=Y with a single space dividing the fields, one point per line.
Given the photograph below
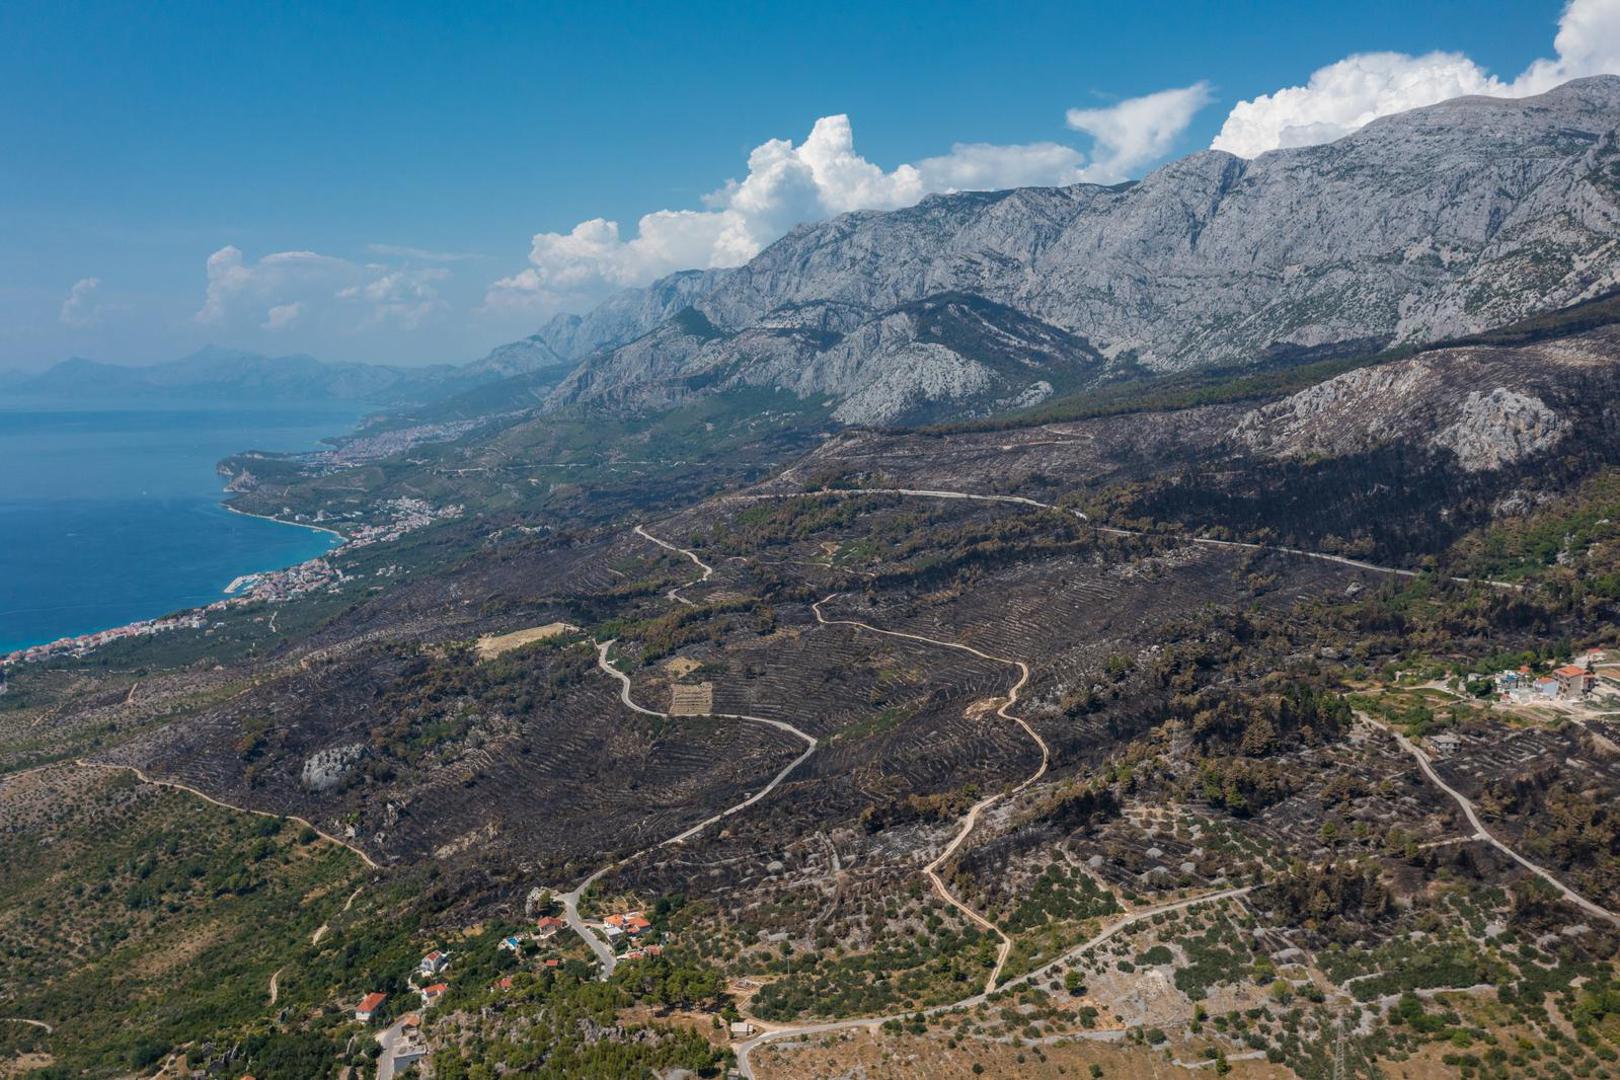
x=404 y=296
x=1343 y=96
x=297 y=288
x=82 y=307
x=787 y=184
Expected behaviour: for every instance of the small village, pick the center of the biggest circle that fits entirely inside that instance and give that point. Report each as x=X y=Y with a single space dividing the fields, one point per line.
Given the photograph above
x=1536 y=700
x=84 y=643
x=1571 y=682
x=403 y=1043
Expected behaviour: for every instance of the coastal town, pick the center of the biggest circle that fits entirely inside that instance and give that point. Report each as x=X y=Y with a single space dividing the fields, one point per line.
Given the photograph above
x=397 y=518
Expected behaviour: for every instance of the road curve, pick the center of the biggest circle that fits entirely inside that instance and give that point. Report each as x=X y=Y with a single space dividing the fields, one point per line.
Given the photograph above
x=42 y=1025
x=1482 y=833
x=570 y=899
x=706 y=570
x=322 y=930
x=972 y=817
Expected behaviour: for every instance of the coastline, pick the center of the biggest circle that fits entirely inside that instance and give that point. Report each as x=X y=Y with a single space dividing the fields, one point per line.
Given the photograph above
x=285 y=563
x=281 y=521
x=262 y=586
x=189 y=617
x=294 y=575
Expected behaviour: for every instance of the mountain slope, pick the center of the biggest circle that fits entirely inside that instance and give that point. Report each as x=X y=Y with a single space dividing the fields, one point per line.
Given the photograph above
x=219 y=374
x=1437 y=222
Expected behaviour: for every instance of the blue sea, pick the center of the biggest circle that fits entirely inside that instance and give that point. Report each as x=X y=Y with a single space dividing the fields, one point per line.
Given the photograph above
x=110 y=515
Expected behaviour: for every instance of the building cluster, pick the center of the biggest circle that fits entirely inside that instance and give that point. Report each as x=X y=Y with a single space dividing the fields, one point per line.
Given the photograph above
x=84 y=643
x=631 y=924
x=405 y=515
x=407 y=1047
x=629 y=928
x=367 y=448
x=1570 y=682
x=279 y=586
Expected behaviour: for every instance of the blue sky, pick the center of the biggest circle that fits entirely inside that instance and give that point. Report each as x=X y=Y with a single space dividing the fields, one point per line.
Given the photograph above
x=369 y=180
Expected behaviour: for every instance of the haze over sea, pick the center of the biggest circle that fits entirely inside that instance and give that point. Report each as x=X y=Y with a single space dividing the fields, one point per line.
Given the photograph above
x=111 y=514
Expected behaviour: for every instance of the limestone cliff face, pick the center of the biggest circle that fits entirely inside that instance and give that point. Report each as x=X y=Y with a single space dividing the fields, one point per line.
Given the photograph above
x=1441 y=221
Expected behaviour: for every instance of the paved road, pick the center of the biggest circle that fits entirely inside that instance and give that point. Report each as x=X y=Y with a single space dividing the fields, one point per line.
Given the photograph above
x=570 y=903
x=1114 y=530
x=1484 y=834
x=389 y=1038
x=972 y=817
x=745 y=1049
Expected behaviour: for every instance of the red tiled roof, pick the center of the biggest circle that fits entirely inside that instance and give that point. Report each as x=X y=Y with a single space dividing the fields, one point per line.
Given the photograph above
x=371 y=1001
x=1570 y=671
x=436 y=988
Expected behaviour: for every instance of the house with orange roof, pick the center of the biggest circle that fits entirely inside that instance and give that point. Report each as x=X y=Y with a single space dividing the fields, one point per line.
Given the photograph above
x=1574 y=680
x=631 y=922
x=432 y=995
x=369 y=1005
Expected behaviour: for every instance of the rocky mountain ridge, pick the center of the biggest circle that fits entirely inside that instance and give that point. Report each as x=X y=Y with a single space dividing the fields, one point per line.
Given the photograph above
x=1442 y=221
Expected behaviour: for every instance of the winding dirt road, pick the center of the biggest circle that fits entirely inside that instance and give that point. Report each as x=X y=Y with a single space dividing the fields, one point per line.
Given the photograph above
x=176 y=785
x=972 y=817
x=321 y=930
x=42 y=1025
x=570 y=899
x=706 y=570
